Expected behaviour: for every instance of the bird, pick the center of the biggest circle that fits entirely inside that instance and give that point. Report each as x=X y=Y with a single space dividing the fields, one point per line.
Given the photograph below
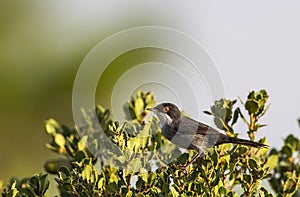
x=188 y=133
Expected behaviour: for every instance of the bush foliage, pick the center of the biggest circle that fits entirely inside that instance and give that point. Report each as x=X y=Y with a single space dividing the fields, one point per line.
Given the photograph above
x=89 y=164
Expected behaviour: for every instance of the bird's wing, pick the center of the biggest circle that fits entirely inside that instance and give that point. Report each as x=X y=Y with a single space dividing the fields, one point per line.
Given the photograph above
x=191 y=126
x=201 y=135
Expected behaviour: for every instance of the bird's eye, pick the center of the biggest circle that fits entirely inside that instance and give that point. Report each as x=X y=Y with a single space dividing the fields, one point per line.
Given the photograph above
x=166 y=109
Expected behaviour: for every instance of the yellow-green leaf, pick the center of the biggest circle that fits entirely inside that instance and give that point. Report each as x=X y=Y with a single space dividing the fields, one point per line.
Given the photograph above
x=82 y=143
x=272 y=161
x=139 y=106
x=51 y=126
x=60 y=140
x=101 y=183
x=174 y=192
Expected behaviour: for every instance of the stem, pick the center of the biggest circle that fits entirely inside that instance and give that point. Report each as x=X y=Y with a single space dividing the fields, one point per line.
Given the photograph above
x=252 y=129
x=128 y=181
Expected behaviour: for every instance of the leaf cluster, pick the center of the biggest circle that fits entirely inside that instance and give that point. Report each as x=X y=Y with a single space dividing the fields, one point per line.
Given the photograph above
x=285 y=179
x=36 y=185
x=104 y=157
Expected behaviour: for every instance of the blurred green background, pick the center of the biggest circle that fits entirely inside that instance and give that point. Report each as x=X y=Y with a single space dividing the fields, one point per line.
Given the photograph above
x=42 y=44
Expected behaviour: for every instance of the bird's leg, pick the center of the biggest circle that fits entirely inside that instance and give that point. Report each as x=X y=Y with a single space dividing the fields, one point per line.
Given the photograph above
x=193 y=159
x=189 y=162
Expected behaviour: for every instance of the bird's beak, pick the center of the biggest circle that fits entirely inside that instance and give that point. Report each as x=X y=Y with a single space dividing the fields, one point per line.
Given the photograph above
x=151 y=109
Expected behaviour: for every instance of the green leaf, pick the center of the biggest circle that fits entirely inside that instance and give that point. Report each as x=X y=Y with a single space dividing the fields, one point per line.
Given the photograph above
x=222 y=191
x=87 y=173
x=113 y=178
x=247 y=178
x=135 y=165
x=60 y=140
x=44 y=182
x=264 y=192
x=35 y=184
x=129 y=194
x=235 y=116
x=101 y=183
x=29 y=192
x=252 y=164
x=139 y=106
x=290 y=184
x=215 y=157
x=13 y=191
x=222 y=112
x=287 y=150
x=251 y=106
x=256 y=101
x=272 y=161
x=112 y=187
x=149 y=97
x=174 y=193
x=144 y=176
x=80 y=155
x=182 y=159
x=67 y=186
x=140 y=184
x=64 y=173
x=82 y=143
x=217 y=179
x=51 y=126
x=242 y=150
x=293 y=142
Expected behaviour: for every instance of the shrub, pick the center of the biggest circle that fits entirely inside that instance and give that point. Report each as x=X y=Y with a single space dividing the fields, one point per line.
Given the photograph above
x=92 y=166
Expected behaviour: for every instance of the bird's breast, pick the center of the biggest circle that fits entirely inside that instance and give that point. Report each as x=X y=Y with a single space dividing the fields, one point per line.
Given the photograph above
x=168 y=132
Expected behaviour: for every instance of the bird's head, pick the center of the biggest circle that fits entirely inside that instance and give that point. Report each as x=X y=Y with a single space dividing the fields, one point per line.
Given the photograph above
x=166 y=112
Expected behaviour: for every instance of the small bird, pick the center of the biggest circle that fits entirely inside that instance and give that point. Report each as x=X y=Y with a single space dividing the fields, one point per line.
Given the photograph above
x=191 y=134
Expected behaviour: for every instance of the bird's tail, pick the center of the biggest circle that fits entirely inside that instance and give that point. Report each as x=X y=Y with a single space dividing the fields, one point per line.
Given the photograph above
x=245 y=142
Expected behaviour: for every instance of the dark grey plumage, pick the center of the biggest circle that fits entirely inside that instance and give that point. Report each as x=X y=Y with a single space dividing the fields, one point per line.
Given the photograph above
x=191 y=134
